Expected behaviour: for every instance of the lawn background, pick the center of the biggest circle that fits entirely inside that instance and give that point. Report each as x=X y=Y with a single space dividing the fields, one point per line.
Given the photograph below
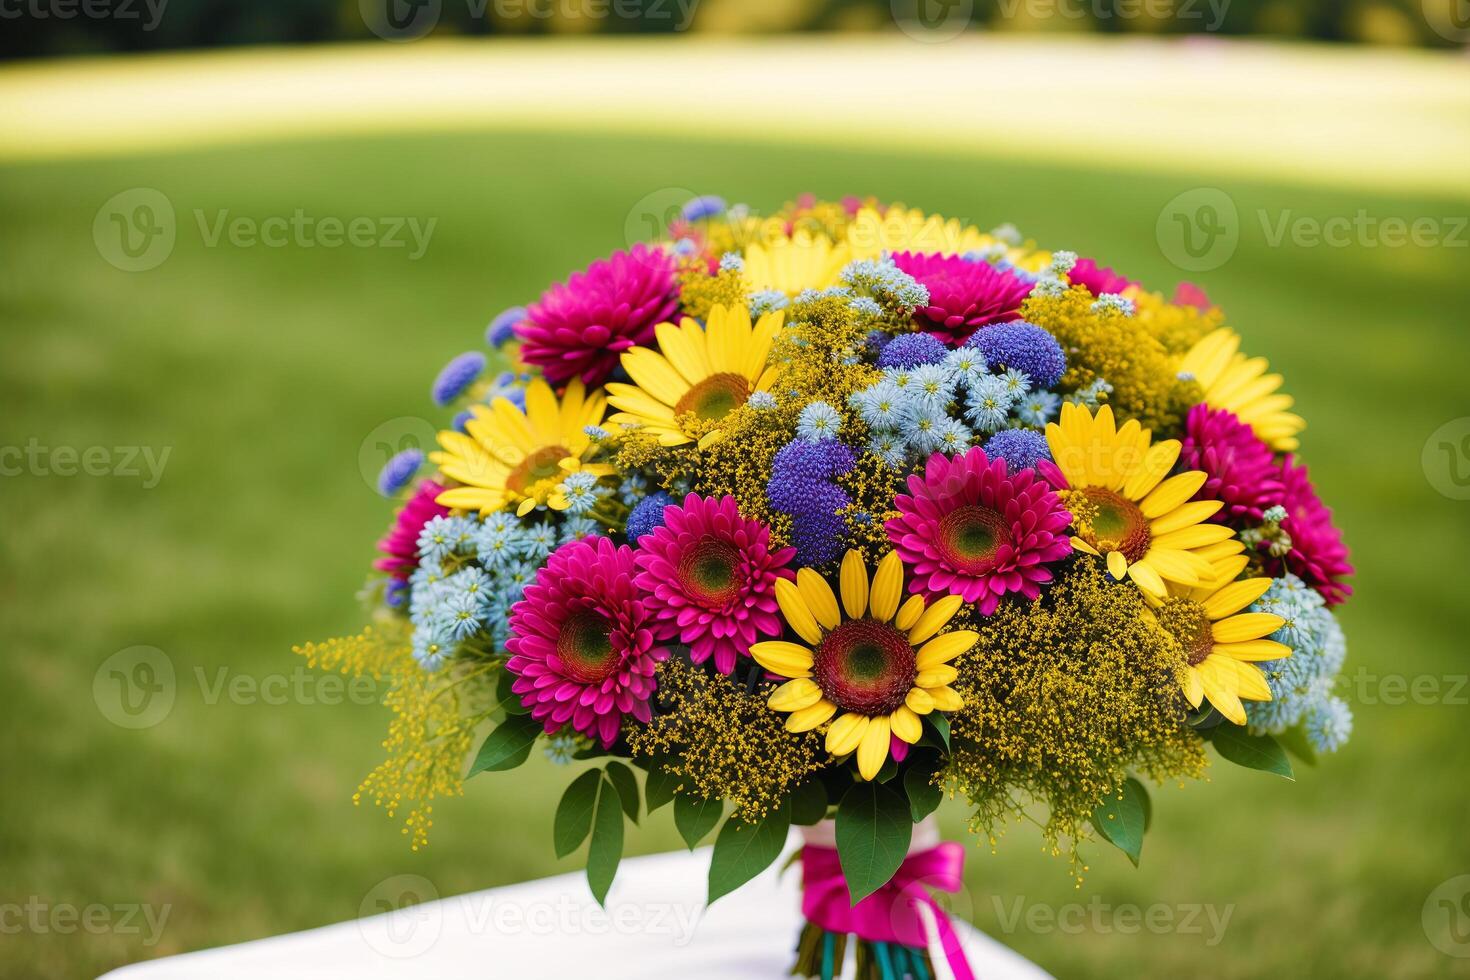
x=265 y=369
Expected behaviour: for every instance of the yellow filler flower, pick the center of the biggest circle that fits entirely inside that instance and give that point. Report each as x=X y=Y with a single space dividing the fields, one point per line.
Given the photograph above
x=1222 y=644
x=876 y=669
x=1240 y=384
x=704 y=372
x=509 y=457
x=1123 y=508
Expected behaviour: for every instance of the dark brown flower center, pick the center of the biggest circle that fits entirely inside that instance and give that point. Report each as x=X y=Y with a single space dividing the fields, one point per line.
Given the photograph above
x=709 y=573
x=543 y=464
x=715 y=397
x=584 y=646
x=1109 y=521
x=969 y=538
x=865 y=666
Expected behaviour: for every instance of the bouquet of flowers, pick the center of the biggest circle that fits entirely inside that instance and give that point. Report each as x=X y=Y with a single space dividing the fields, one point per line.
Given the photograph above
x=835 y=513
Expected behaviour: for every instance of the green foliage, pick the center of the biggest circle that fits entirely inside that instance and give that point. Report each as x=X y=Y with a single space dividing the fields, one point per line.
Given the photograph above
x=695 y=818
x=743 y=850
x=874 y=828
x=1123 y=819
x=507 y=746
x=1262 y=752
x=574 y=814
x=606 y=849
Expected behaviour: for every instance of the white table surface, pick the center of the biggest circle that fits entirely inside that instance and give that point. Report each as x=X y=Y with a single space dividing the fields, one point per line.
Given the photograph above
x=655 y=925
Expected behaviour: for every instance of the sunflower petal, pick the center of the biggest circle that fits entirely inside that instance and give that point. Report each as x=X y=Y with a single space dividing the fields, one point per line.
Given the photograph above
x=1250 y=683
x=810 y=717
x=817 y=595
x=906 y=725
x=935 y=617
x=1235 y=597
x=685 y=351
x=846 y=732
x=1171 y=493
x=940 y=676
x=794 y=608
x=872 y=751
x=1253 y=651
x=1194 y=687
x=887 y=588
x=794 y=695
x=946 y=699
x=1157 y=463
x=909 y=612
x=1147 y=578
x=1183 y=516
x=943 y=649
x=1246 y=626
x=919 y=701
x=1117 y=565
x=780 y=657
x=853 y=581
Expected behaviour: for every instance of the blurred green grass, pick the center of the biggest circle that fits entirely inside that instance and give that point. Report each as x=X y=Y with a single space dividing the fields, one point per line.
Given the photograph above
x=265 y=369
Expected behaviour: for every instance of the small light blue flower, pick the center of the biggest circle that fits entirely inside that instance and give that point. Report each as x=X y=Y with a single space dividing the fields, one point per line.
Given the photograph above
x=818 y=422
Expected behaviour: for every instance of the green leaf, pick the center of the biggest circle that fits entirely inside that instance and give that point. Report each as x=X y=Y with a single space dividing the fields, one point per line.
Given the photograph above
x=924 y=796
x=874 y=827
x=574 y=813
x=743 y=850
x=508 y=746
x=1262 y=752
x=695 y=818
x=1123 y=819
x=627 y=787
x=1295 y=741
x=808 y=804
x=936 y=731
x=509 y=700
x=658 y=788
x=606 y=849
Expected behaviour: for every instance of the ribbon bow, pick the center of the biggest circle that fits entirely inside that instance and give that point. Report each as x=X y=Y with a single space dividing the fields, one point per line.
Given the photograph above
x=901 y=911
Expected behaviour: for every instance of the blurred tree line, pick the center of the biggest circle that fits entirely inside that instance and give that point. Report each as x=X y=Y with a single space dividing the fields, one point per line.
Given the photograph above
x=55 y=27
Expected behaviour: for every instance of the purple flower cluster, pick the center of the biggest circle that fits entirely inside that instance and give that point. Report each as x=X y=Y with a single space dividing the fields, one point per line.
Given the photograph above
x=1023 y=346
x=912 y=349
x=802 y=486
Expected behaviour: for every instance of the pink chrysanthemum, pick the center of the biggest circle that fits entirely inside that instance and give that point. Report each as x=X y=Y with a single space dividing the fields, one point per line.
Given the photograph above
x=578 y=328
x=1098 y=279
x=969 y=527
x=1317 y=553
x=1240 y=469
x=712 y=576
x=964 y=294
x=400 y=546
x=581 y=643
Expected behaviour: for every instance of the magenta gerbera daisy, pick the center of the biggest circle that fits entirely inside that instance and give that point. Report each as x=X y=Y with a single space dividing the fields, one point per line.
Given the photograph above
x=400 y=546
x=1098 y=279
x=1317 y=553
x=577 y=329
x=581 y=643
x=1239 y=468
x=964 y=294
x=970 y=527
x=712 y=577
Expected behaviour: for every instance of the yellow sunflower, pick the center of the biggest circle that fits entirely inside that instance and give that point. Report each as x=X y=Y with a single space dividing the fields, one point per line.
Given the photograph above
x=1222 y=643
x=793 y=263
x=704 y=372
x=877 y=669
x=1124 y=509
x=871 y=233
x=1240 y=384
x=506 y=456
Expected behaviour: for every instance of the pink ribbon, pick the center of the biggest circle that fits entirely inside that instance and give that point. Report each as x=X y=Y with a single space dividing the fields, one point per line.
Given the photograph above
x=902 y=911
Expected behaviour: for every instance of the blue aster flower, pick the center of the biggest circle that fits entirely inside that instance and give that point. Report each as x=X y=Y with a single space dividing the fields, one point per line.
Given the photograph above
x=886 y=283
x=432 y=645
x=911 y=350
x=1091 y=396
x=880 y=406
x=581 y=490
x=1328 y=724
x=503 y=327
x=923 y=426
x=1038 y=408
x=438 y=539
x=595 y=432
x=818 y=422
x=578 y=528
x=931 y=384
x=702 y=207
x=988 y=404
x=561 y=749
x=473 y=582
x=954 y=437
x=1020 y=448
x=761 y=401
x=768 y=301
x=1017 y=383
x=732 y=262
x=456 y=376
x=965 y=365
x=1023 y=346
x=396 y=473
x=864 y=306
x=539 y=542
x=888 y=446
x=461 y=615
